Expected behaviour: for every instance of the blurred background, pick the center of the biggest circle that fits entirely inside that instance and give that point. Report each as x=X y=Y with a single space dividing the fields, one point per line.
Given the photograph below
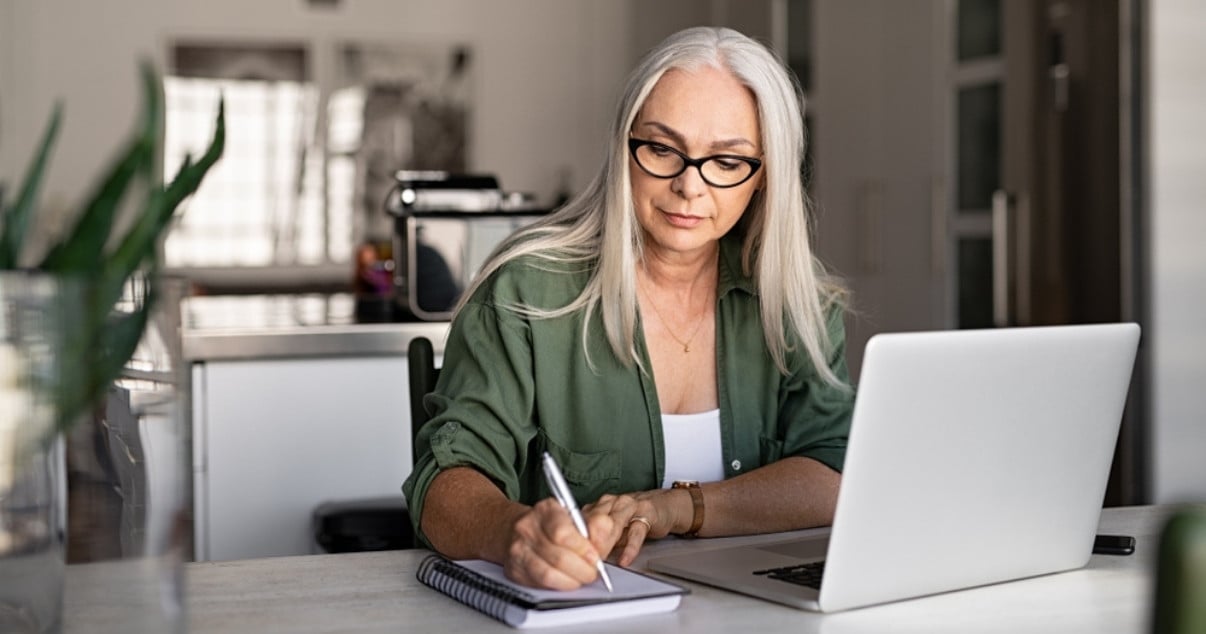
x=974 y=163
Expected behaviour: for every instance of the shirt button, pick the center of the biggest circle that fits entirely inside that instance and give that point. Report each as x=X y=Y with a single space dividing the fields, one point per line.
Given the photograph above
x=736 y=465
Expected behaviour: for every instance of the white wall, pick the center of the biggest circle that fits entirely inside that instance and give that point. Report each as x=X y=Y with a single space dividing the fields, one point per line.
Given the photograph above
x=546 y=72
x=7 y=103
x=1177 y=203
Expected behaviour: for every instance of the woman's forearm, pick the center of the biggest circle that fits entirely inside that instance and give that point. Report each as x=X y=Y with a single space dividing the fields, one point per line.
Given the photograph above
x=790 y=494
x=465 y=516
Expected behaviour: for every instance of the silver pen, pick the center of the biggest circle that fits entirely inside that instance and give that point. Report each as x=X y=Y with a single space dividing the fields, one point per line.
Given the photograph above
x=561 y=491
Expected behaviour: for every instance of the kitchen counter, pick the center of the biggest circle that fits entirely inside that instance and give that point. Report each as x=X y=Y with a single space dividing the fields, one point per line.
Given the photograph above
x=290 y=326
x=283 y=387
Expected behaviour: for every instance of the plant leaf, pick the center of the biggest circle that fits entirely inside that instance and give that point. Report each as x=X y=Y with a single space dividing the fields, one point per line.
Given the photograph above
x=101 y=349
x=17 y=217
x=83 y=250
x=141 y=239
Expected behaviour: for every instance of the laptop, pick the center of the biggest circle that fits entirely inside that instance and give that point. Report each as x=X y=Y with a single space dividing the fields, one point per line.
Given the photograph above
x=974 y=457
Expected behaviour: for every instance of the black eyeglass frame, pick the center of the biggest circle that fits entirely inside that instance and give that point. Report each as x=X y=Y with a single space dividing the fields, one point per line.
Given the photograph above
x=634 y=144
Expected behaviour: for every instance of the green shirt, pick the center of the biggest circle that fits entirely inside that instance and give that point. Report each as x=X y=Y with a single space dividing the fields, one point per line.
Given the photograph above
x=514 y=386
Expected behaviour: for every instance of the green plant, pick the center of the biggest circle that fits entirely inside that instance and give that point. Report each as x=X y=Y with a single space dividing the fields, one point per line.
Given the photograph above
x=102 y=339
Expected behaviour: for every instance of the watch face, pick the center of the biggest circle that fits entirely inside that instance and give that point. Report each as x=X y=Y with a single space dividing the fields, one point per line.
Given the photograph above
x=685 y=484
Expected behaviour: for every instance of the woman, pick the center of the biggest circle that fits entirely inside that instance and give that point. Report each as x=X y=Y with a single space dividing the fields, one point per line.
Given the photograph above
x=669 y=324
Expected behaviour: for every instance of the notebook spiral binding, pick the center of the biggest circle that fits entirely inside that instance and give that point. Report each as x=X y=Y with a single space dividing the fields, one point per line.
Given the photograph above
x=474 y=591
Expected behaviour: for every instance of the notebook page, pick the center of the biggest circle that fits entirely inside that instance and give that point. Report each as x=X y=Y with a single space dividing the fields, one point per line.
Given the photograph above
x=628 y=585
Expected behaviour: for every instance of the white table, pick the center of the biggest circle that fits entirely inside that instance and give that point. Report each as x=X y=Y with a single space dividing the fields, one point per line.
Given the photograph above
x=378 y=592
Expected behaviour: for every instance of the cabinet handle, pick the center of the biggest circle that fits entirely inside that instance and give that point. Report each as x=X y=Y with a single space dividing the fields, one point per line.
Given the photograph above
x=869 y=208
x=1021 y=260
x=1002 y=220
x=938 y=220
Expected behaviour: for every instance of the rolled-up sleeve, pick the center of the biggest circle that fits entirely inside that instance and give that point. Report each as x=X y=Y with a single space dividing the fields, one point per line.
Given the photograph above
x=488 y=425
x=815 y=416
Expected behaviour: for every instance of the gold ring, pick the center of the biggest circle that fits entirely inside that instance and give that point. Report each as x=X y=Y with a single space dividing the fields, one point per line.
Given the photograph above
x=642 y=519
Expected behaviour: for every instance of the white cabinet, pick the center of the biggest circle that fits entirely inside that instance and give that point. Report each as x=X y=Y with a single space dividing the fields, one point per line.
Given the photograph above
x=274 y=438
x=880 y=162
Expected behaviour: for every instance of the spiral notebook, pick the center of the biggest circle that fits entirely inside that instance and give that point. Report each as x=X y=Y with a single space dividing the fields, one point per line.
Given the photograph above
x=482 y=586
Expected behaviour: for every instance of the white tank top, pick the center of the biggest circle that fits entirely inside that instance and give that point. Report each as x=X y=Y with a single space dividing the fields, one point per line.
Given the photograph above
x=692 y=443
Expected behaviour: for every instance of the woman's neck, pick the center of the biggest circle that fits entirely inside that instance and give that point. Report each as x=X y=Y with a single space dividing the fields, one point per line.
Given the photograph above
x=678 y=273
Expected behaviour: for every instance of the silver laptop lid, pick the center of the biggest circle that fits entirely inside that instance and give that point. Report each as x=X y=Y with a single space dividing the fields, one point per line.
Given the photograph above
x=975 y=457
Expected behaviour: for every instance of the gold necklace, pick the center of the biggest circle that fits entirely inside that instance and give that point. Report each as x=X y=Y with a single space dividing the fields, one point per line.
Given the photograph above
x=685 y=344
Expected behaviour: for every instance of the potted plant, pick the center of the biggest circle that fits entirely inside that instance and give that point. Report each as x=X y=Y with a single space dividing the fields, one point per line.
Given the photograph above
x=68 y=326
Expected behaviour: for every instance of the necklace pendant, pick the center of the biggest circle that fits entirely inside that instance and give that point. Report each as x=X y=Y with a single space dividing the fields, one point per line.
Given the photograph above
x=686 y=349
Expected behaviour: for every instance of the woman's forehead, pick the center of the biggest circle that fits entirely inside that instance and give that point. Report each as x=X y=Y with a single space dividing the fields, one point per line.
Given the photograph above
x=703 y=105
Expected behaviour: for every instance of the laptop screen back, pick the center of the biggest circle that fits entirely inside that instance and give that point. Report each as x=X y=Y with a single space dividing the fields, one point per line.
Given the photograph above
x=976 y=457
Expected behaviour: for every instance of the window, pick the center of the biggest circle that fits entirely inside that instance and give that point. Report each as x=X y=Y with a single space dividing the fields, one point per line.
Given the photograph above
x=308 y=159
x=262 y=204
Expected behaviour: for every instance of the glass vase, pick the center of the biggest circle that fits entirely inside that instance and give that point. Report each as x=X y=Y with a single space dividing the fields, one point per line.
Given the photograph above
x=97 y=500
x=129 y=474
x=34 y=309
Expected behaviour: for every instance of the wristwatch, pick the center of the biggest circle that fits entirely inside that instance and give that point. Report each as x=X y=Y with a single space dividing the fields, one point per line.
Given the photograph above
x=697 y=502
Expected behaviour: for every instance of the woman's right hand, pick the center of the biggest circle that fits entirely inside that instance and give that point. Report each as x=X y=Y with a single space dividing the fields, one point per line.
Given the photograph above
x=468 y=517
x=547 y=551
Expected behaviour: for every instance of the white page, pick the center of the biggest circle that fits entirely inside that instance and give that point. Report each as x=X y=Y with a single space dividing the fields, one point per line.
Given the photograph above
x=628 y=584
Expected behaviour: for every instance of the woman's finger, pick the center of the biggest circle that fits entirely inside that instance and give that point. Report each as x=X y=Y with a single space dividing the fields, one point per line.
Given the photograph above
x=526 y=567
x=549 y=549
x=635 y=534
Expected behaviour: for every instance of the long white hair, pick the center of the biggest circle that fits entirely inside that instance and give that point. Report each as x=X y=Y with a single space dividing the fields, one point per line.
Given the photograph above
x=598 y=228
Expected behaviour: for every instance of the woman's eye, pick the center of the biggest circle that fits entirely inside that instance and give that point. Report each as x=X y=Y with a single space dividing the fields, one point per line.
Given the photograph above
x=728 y=165
x=660 y=150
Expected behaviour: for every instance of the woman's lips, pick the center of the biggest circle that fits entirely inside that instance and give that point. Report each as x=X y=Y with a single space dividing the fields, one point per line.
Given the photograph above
x=681 y=220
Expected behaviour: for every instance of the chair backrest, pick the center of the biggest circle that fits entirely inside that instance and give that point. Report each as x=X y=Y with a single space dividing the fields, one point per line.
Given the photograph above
x=420 y=359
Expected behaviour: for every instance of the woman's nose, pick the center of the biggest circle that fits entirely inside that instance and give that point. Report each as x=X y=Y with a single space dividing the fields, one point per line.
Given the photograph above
x=689 y=184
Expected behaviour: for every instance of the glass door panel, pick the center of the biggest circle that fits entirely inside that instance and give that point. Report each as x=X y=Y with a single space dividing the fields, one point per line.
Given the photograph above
x=978 y=29
x=975 y=282
x=974 y=92
x=978 y=116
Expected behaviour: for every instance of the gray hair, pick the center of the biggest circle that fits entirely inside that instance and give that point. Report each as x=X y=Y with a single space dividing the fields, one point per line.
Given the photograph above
x=599 y=225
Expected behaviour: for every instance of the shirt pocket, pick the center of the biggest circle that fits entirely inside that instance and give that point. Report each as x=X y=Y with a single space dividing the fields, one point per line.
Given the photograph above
x=589 y=474
x=771 y=449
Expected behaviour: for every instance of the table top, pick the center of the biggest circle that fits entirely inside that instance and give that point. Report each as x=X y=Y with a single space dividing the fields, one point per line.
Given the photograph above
x=378 y=592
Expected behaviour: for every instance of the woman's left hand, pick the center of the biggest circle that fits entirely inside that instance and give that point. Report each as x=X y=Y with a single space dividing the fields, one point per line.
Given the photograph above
x=635 y=517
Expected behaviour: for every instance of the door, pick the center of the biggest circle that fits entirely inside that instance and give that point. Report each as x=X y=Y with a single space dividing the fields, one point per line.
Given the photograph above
x=967 y=169
x=1038 y=231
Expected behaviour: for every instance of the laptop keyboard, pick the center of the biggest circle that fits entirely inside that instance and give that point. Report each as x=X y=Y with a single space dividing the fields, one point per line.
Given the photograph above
x=808 y=574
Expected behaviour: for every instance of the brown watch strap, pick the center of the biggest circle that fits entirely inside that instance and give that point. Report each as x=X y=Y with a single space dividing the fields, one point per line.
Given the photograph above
x=697 y=504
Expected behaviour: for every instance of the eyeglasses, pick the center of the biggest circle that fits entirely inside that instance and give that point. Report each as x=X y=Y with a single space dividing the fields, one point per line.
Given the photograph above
x=719 y=170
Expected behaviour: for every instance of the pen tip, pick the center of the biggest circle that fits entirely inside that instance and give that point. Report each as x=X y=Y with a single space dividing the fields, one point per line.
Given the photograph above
x=606 y=578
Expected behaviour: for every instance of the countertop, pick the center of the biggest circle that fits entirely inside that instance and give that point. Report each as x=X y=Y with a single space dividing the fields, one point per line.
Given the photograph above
x=292 y=326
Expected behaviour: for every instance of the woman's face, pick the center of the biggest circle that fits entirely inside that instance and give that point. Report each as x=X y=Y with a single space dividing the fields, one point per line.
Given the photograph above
x=700 y=113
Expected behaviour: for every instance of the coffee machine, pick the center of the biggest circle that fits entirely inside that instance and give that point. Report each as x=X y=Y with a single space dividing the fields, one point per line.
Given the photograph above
x=445 y=226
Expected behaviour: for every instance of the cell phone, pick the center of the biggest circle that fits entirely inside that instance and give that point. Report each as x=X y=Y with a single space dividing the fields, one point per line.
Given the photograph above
x=1113 y=545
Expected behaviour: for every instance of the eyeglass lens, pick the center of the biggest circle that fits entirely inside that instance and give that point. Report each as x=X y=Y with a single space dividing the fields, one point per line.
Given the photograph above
x=663 y=162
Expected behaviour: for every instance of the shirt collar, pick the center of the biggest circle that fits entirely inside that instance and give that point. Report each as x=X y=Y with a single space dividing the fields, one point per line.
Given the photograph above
x=731 y=275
